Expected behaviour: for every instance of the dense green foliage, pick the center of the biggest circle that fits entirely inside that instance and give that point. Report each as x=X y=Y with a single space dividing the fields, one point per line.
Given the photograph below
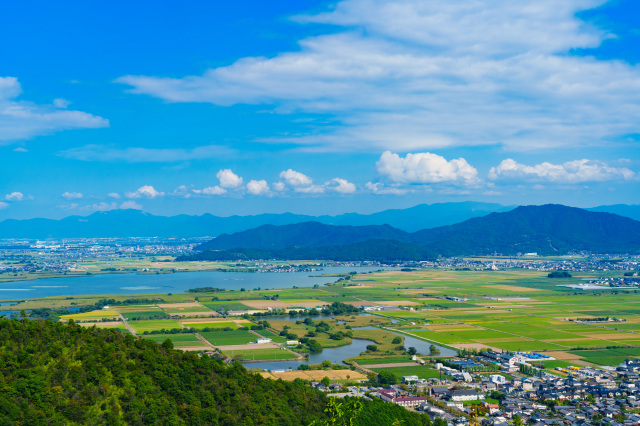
x=65 y=374
x=559 y=274
x=306 y=234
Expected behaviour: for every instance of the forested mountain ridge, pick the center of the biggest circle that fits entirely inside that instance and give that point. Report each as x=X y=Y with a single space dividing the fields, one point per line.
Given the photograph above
x=548 y=229
x=369 y=250
x=64 y=374
x=306 y=234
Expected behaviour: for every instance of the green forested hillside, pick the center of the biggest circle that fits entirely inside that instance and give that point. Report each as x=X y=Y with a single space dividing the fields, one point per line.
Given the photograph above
x=59 y=374
x=52 y=373
x=306 y=234
x=372 y=250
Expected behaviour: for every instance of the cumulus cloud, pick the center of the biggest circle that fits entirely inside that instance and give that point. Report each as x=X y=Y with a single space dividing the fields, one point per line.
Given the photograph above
x=113 y=195
x=420 y=75
x=258 y=187
x=211 y=190
x=570 y=172
x=279 y=186
x=3 y=205
x=380 y=188
x=14 y=196
x=146 y=191
x=21 y=120
x=340 y=185
x=144 y=155
x=295 y=179
x=228 y=179
x=72 y=195
x=311 y=189
x=131 y=205
x=425 y=167
x=181 y=191
x=20 y=149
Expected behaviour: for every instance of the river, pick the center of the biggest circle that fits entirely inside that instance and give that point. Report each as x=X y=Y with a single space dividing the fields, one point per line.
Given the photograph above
x=111 y=284
x=337 y=355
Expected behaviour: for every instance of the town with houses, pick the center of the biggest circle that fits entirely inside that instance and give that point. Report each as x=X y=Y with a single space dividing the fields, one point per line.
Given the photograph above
x=575 y=396
x=68 y=255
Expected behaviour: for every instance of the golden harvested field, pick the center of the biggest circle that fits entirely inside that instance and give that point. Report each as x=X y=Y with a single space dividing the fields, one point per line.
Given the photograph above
x=511 y=288
x=317 y=375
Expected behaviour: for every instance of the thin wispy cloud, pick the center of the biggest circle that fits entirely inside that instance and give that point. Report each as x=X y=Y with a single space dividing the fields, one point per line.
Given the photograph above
x=20 y=120
x=409 y=75
x=145 y=155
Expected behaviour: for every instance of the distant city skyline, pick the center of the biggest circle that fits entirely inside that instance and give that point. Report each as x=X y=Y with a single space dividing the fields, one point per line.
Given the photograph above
x=316 y=107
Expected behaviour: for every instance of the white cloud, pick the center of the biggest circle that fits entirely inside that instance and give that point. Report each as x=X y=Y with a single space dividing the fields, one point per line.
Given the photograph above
x=295 y=179
x=258 y=187
x=146 y=191
x=72 y=195
x=569 y=172
x=311 y=189
x=379 y=188
x=113 y=195
x=14 y=196
x=340 y=185
x=24 y=120
x=211 y=190
x=425 y=167
x=3 y=205
x=279 y=186
x=20 y=149
x=144 y=155
x=97 y=207
x=181 y=191
x=130 y=205
x=61 y=103
x=228 y=179
x=415 y=75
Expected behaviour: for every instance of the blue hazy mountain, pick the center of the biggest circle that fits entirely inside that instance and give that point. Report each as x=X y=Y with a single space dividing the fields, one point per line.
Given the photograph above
x=547 y=229
x=134 y=223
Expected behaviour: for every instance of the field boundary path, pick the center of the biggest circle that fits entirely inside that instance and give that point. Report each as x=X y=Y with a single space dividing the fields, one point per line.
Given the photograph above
x=126 y=324
x=364 y=370
x=204 y=340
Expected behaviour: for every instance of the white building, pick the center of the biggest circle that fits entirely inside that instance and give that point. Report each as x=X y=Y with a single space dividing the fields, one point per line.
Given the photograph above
x=497 y=379
x=262 y=340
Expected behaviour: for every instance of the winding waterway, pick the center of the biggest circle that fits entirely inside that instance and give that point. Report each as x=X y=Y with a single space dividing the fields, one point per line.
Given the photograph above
x=337 y=355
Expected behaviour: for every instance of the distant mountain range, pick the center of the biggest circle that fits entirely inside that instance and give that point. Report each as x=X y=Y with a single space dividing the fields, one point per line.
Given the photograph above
x=548 y=229
x=134 y=223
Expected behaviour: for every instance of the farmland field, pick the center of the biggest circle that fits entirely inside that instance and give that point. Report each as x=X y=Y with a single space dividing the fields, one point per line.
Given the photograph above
x=261 y=354
x=154 y=325
x=235 y=337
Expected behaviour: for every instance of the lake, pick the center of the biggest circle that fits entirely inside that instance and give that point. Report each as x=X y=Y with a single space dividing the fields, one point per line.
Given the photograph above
x=179 y=282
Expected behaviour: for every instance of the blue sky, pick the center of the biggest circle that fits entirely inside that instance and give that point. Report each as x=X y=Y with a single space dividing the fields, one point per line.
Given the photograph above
x=316 y=107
